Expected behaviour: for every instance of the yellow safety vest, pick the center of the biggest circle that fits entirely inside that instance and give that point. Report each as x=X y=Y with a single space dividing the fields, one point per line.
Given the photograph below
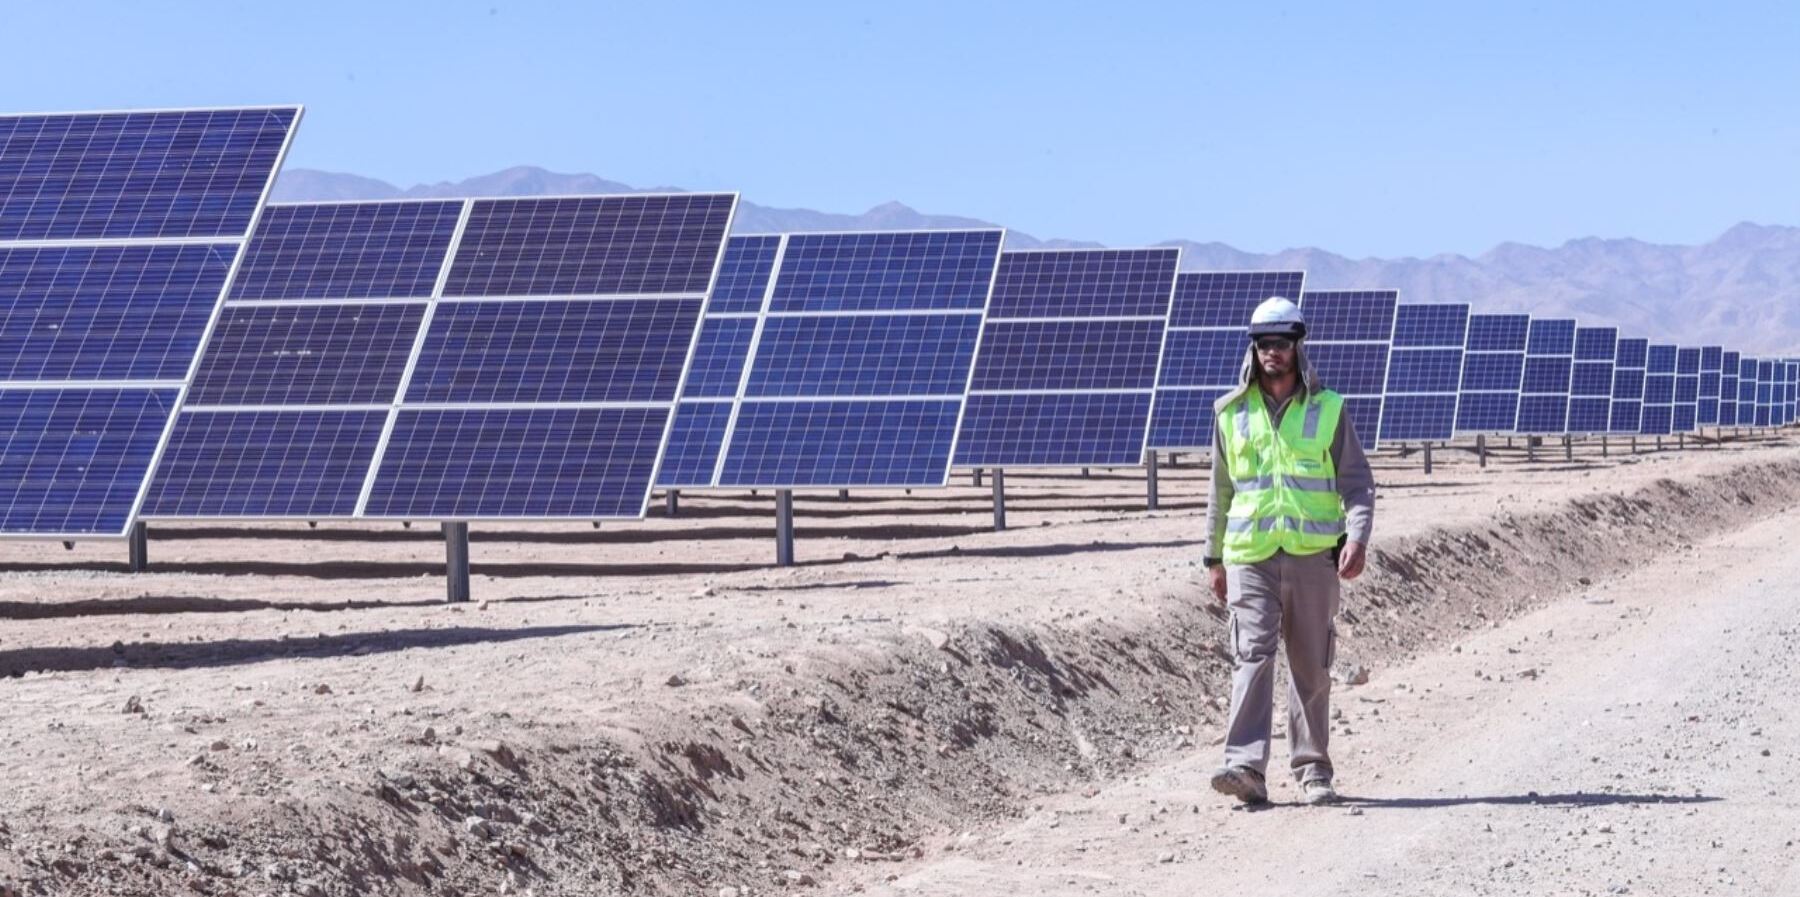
x=1285 y=494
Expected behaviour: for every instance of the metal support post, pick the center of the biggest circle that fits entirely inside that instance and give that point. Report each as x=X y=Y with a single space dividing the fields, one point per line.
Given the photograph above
x=1681 y=442
x=843 y=495
x=1530 y=447
x=1150 y=483
x=1481 y=448
x=672 y=501
x=139 y=549
x=784 y=527
x=975 y=478
x=1603 y=447
x=999 y=499
x=1428 y=459
x=456 y=562
x=1084 y=473
x=1568 y=448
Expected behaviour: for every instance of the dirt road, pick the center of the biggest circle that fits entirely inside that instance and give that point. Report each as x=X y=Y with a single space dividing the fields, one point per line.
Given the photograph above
x=1636 y=737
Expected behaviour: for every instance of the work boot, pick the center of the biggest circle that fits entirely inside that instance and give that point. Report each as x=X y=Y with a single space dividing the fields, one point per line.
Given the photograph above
x=1318 y=791
x=1241 y=782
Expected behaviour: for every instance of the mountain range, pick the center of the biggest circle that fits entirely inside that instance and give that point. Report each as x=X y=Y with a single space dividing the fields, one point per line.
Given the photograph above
x=1741 y=290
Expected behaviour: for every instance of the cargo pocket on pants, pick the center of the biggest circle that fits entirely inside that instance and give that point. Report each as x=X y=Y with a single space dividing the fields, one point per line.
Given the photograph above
x=1330 y=647
x=1231 y=634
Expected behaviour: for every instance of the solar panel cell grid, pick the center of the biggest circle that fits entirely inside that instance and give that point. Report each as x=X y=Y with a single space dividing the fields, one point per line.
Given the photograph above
x=1349 y=336
x=859 y=367
x=1085 y=283
x=107 y=334
x=265 y=464
x=107 y=312
x=363 y=250
x=591 y=246
x=167 y=174
x=1090 y=405
x=306 y=355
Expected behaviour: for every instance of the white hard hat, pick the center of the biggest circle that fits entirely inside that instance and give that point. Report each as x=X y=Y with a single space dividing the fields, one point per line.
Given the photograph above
x=1277 y=316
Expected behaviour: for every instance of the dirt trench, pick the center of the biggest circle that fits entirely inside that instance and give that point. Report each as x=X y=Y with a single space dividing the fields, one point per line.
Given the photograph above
x=827 y=757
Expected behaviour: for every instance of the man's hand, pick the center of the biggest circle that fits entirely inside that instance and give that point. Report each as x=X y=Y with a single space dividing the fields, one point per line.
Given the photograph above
x=1216 y=578
x=1351 y=560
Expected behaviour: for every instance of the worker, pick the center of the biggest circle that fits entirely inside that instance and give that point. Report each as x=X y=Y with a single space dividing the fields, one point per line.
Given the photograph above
x=1293 y=501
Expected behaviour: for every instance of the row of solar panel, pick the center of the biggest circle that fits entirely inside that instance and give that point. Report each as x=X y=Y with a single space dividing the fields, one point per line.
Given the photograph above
x=557 y=357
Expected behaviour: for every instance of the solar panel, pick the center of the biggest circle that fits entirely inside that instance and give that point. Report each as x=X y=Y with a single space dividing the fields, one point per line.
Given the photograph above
x=1747 y=369
x=1591 y=379
x=119 y=233
x=1069 y=359
x=1686 y=415
x=1628 y=385
x=849 y=369
x=1793 y=391
x=1204 y=356
x=1425 y=372
x=1765 y=392
x=1728 y=389
x=1712 y=362
x=448 y=359
x=1658 y=418
x=1493 y=367
x=1544 y=391
x=295 y=384
x=1348 y=336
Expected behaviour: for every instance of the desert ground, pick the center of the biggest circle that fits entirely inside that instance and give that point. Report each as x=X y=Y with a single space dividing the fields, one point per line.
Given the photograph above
x=1579 y=680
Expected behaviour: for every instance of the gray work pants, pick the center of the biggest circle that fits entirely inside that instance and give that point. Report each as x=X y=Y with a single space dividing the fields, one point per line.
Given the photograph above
x=1296 y=599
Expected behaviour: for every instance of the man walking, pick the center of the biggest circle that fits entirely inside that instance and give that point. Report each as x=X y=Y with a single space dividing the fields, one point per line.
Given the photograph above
x=1293 y=501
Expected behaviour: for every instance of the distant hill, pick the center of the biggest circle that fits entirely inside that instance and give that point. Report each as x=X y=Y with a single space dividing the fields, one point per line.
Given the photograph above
x=1741 y=290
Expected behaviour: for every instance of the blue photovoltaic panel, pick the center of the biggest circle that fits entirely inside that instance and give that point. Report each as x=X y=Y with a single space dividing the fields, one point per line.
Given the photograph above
x=698 y=436
x=1054 y=429
x=1201 y=359
x=1348 y=336
x=1765 y=392
x=593 y=350
x=1493 y=367
x=1544 y=393
x=72 y=460
x=1085 y=283
x=307 y=464
x=1069 y=357
x=1628 y=385
x=326 y=354
x=1728 y=389
x=1712 y=360
x=899 y=271
x=347 y=250
x=827 y=443
x=107 y=312
x=1591 y=380
x=591 y=246
x=1203 y=356
x=289 y=401
x=1338 y=316
x=819 y=356
x=519 y=463
x=1747 y=370
x=744 y=275
x=1658 y=411
x=1793 y=391
x=858 y=369
x=558 y=405
x=158 y=175
x=1425 y=372
x=1498 y=333
x=718 y=364
x=98 y=339
x=1685 y=417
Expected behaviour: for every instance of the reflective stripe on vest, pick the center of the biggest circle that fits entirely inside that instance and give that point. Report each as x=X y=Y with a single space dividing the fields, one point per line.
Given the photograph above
x=1284 y=484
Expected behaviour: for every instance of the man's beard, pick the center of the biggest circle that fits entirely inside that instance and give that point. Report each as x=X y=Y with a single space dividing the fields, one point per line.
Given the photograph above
x=1276 y=368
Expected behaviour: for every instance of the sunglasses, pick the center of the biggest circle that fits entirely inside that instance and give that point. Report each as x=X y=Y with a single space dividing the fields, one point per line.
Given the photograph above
x=1274 y=344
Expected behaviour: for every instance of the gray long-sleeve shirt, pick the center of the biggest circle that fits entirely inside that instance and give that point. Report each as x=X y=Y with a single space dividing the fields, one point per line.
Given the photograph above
x=1356 y=482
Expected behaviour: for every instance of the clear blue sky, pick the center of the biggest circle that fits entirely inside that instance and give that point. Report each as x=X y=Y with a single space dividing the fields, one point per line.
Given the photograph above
x=1365 y=128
